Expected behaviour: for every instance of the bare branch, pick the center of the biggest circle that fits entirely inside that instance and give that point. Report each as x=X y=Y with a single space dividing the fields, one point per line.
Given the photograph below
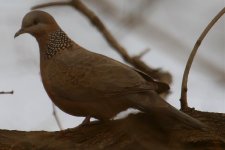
x=11 y=92
x=142 y=53
x=56 y=117
x=95 y=20
x=51 y=4
x=183 y=98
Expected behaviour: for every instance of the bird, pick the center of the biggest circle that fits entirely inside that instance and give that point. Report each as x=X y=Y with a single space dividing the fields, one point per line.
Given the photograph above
x=84 y=83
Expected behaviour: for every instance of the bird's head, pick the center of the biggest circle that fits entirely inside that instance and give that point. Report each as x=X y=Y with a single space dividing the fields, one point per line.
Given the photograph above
x=37 y=23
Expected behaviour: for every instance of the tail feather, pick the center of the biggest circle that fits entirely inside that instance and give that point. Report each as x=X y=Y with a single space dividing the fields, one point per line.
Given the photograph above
x=156 y=106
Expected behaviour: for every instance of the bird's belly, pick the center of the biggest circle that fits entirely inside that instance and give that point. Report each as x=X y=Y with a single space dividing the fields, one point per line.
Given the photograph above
x=79 y=101
x=75 y=107
x=101 y=109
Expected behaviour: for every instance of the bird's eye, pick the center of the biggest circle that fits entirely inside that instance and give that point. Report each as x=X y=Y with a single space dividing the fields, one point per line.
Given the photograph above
x=35 y=22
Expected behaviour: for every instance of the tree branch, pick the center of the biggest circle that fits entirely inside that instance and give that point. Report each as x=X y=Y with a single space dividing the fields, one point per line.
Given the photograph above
x=51 y=4
x=95 y=20
x=139 y=131
x=56 y=117
x=11 y=92
x=183 y=98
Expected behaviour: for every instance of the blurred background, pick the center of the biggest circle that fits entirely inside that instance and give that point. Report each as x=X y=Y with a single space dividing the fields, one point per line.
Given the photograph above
x=169 y=28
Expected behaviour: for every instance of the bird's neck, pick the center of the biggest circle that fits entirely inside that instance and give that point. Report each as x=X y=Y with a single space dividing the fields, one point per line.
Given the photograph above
x=53 y=44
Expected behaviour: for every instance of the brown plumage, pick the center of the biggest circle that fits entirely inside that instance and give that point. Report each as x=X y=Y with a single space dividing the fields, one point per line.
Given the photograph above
x=83 y=83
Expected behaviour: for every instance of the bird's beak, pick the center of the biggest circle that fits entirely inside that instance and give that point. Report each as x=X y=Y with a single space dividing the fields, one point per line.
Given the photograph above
x=21 y=31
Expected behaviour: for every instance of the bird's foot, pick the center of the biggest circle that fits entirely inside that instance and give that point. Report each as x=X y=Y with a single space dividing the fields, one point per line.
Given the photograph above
x=188 y=109
x=86 y=121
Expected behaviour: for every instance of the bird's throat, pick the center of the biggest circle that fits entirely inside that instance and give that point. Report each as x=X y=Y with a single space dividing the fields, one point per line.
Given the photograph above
x=56 y=42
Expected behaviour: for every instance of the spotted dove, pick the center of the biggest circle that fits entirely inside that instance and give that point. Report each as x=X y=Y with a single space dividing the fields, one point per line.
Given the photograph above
x=84 y=83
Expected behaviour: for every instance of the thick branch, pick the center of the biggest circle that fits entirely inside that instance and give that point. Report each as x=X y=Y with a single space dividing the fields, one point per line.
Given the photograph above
x=138 y=131
x=95 y=20
x=183 y=99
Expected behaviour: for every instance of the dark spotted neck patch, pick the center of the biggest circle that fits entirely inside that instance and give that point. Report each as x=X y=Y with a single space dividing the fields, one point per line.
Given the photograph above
x=57 y=42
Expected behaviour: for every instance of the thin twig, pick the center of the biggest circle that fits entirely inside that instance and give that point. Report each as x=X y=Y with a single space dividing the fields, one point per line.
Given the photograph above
x=51 y=4
x=183 y=98
x=56 y=117
x=142 y=53
x=11 y=92
x=95 y=20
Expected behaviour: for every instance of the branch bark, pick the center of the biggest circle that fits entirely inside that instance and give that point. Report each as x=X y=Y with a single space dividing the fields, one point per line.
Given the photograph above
x=139 y=131
x=183 y=98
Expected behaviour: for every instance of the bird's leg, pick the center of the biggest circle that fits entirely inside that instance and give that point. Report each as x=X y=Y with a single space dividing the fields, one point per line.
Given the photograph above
x=86 y=121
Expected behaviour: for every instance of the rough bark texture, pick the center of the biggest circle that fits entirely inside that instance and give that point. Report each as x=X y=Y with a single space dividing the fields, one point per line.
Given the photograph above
x=139 y=131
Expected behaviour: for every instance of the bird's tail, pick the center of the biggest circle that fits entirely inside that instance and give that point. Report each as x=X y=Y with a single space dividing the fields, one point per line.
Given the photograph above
x=154 y=105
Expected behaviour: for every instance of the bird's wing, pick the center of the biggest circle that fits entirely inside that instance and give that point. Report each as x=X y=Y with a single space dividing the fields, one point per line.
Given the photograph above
x=125 y=78
x=95 y=74
x=117 y=79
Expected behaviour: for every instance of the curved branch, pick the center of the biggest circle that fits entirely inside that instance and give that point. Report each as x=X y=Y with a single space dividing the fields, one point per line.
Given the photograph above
x=51 y=4
x=183 y=98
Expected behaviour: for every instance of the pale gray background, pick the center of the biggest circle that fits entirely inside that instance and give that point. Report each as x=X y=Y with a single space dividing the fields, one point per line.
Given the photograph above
x=168 y=27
